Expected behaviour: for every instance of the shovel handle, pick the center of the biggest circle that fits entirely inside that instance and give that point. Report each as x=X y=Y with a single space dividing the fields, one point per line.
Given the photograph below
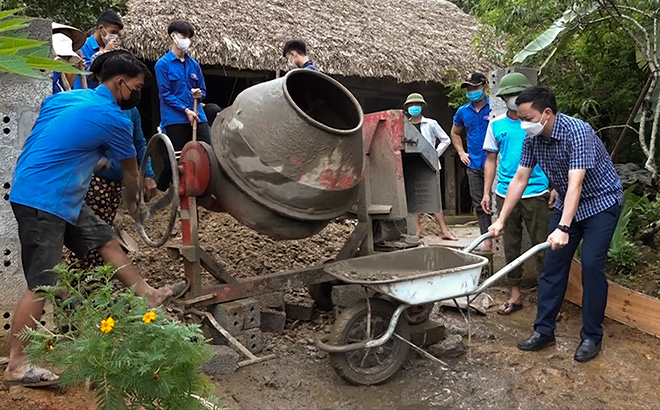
x=194 y=124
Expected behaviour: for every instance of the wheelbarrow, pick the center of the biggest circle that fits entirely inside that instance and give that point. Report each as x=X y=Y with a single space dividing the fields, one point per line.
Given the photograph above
x=361 y=345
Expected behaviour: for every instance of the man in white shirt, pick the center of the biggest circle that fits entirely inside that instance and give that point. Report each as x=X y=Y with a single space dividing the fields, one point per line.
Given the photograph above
x=438 y=138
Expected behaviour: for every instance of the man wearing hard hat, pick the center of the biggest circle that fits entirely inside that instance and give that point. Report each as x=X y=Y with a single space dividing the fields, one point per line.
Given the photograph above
x=504 y=137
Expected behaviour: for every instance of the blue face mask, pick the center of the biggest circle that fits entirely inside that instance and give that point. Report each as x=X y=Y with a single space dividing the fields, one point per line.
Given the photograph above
x=414 y=110
x=476 y=95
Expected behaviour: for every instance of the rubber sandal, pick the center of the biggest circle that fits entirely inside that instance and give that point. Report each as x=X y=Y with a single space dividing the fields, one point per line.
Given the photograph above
x=179 y=289
x=508 y=308
x=33 y=378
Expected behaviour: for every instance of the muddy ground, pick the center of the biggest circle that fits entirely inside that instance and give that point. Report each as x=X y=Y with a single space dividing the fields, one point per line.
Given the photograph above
x=493 y=375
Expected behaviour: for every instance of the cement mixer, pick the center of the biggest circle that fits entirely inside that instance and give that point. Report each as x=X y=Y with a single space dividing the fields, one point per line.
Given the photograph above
x=287 y=157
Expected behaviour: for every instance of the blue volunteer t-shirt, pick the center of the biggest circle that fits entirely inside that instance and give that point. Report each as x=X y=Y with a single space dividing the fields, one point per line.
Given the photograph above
x=504 y=135
x=175 y=80
x=71 y=134
x=475 y=124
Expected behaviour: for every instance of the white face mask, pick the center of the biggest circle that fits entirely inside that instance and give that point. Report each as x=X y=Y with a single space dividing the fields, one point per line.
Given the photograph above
x=182 y=44
x=511 y=103
x=532 y=129
x=109 y=37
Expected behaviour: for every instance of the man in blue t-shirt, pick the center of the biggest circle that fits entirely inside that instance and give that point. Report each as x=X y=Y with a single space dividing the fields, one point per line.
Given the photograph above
x=505 y=137
x=72 y=132
x=473 y=117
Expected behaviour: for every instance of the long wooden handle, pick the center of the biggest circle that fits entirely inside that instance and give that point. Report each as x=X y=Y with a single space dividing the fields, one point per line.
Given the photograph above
x=194 y=125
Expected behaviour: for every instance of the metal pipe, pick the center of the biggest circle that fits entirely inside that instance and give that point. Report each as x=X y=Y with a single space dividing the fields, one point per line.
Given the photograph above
x=509 y=267
x=367 y=344
x=476 y=242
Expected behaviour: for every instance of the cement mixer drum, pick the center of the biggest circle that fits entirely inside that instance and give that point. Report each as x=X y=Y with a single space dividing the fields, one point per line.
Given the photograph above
x=291 y=148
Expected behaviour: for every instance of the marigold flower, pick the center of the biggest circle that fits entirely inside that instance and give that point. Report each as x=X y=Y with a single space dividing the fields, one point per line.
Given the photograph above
x=149 y=317
x=107 y=325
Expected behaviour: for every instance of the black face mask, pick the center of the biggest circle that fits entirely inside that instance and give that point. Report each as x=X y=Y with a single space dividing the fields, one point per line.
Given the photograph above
x=133 y=100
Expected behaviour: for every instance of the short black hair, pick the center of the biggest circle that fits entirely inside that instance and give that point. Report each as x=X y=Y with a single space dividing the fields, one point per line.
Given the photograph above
x=540 y=97
x=295 y=45
x=110 y=17
x=117 y=62
x=211 y=110
x=181 y=27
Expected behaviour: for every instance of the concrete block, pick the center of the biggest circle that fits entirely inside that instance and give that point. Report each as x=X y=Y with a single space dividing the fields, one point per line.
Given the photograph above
x=299 y=308
x=347 y=295
x=224 y=361
x=230 y=315
x=272 y=320
x=427 y=333
x=252 y=339
x=251 y=312
x=273 y=300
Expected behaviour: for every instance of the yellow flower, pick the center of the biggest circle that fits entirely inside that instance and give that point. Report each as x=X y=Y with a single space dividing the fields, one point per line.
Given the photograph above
x=149 y=317
x=107 y=325
x=49 y=344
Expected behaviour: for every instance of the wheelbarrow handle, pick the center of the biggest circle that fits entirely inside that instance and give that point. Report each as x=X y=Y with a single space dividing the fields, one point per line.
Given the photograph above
x=476 y=242
x=511 y=266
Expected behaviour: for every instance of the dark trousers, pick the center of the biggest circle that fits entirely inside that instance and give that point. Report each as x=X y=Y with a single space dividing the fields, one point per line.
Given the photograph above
x=476 y=182
x=596 y=233
x=179 y=134
x=534 y=214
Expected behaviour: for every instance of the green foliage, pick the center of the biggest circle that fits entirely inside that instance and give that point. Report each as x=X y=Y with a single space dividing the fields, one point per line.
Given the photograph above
x=80 y=14
x=151 y=365
x=593 y=70
x=622 y=252
x=455 y=94
x=23 y=56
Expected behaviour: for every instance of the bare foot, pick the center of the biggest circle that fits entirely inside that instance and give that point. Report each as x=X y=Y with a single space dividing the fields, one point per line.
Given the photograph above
x=30 y=376
x=448 y=236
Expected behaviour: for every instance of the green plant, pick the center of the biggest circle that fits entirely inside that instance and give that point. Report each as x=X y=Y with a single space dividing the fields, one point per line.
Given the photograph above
x=24 y=56
x=455 y=94
x=136 y=357
x=622 y=252
x=81 y=14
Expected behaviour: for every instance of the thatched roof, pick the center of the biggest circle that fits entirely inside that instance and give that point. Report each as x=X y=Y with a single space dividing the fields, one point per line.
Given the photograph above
x=409 y=40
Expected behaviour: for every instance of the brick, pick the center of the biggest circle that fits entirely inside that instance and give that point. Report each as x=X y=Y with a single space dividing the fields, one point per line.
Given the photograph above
x=251 y=339
x=299 y=308
x=230 y=315
x=272 y=320
x=348 y=295
x=251 y=313
x=427 y=333
x=273 y=300
x=224 y=361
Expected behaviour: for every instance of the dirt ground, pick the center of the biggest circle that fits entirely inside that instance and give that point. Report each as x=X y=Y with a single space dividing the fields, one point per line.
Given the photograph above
x=493 y=375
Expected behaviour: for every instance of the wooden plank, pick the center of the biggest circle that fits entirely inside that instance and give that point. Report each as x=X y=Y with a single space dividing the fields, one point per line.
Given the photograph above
x=626 y=306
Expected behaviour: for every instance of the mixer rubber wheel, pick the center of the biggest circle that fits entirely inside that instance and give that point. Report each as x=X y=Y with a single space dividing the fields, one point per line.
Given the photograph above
x=419 y=313
x=373 y=365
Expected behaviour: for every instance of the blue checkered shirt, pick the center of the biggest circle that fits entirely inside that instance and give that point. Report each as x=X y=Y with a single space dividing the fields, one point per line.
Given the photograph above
x=574 y=145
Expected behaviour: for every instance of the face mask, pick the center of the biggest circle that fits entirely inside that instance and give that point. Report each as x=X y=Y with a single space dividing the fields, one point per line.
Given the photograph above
x=182 y=44
x=414 y=110
x=109 y=37
x=133 y=100
x=511 y=104
x=532 y=129
x=476 y=95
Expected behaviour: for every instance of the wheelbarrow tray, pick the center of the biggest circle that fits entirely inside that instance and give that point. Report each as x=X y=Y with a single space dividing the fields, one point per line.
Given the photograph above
x=414 y=276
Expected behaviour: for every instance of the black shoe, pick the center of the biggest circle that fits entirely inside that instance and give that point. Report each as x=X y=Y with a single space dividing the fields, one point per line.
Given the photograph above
x=587 y=350
x=536 y=341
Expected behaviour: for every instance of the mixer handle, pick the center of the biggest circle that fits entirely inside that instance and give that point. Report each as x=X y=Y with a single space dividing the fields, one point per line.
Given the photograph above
x=170 y=198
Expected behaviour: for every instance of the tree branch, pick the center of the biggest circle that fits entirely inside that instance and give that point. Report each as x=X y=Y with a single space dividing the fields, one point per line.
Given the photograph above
x=617 y=126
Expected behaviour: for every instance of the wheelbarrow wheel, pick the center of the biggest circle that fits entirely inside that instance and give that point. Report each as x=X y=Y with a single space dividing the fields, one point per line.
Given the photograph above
x=373 y=365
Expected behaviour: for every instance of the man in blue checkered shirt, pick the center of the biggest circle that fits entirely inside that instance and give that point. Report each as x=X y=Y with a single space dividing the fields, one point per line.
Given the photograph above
x=588 y=206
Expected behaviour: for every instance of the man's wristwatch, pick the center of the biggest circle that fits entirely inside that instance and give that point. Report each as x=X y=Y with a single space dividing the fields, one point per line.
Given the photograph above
x=563 y=228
